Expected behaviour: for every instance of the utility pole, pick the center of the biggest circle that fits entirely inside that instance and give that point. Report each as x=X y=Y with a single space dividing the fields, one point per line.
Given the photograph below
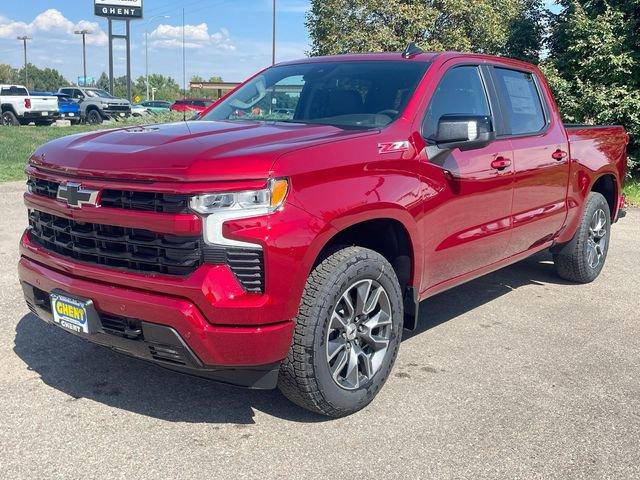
x=273 y=40
x=146 y=49
x=84 y=33
x=24 y=39
x=184 y=59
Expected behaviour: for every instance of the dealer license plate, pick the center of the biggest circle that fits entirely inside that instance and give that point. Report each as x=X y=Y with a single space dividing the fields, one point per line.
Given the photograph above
x=45 y=114
x=70 y=313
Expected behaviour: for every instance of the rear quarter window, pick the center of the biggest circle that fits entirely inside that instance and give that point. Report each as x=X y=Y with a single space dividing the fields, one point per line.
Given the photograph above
x=521 y=101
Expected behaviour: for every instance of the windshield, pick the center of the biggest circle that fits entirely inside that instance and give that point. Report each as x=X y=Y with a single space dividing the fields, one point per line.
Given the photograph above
x=366 y=94
x=96 y=92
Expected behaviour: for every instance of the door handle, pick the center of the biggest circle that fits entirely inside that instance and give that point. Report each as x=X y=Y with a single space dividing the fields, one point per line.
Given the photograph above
x=500 y=163
x=559 y=154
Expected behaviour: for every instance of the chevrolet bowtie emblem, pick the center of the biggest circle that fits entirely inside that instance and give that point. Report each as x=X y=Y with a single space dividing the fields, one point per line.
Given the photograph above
x=76 y=196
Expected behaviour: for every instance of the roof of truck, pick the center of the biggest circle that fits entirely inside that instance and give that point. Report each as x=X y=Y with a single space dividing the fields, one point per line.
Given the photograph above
x=419 y=57
x=355 y=57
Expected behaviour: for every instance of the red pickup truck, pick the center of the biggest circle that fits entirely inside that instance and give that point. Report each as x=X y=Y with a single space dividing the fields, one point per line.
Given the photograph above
x=286 y=237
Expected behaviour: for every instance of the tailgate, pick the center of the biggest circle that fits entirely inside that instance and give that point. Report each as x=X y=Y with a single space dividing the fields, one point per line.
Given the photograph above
x=44 y=104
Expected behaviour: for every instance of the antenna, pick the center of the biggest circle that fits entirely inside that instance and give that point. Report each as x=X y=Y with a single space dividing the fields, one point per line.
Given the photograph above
x=412 y=50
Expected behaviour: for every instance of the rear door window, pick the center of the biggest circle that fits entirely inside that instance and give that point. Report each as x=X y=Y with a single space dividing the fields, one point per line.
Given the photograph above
x=15 y=91
x=520 y=98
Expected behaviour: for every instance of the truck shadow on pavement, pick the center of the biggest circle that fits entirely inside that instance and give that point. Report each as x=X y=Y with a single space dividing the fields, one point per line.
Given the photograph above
x=83 y=370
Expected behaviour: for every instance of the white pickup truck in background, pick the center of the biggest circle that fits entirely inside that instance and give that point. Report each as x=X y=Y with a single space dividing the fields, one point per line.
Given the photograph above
x=20 y=108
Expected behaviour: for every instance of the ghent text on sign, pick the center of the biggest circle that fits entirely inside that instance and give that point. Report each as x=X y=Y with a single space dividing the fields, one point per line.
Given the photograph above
x=118 y=8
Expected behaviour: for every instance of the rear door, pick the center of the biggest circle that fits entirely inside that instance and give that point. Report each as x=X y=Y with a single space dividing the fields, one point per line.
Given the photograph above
x=467 y=223
x=540 y=158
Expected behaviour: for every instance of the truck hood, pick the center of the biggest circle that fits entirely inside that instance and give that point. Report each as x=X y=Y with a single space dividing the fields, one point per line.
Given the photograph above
x=185 y=151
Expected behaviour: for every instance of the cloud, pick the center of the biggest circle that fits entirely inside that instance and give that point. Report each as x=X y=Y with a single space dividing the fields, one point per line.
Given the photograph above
x=52 y=25
x=195 y=36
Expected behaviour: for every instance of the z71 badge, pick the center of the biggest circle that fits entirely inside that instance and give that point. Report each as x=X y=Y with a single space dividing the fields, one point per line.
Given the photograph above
x=393 y=147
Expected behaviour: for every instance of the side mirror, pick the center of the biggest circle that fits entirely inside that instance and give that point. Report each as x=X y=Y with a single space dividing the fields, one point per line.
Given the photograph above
x=464 y=132
x=80 y=98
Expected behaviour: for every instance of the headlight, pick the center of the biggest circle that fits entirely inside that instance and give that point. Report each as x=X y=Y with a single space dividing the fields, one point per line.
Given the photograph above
x=265 y=200
x=217 y=208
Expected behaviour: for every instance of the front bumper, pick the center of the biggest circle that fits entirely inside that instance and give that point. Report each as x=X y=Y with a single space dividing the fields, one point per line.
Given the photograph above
x=116 y=113
x=240 y=355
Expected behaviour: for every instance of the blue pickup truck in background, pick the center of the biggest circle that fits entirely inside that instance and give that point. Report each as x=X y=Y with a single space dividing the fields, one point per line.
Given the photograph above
x=69 y=108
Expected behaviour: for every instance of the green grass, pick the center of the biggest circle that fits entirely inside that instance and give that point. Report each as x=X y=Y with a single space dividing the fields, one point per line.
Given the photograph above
x=18 y=143
x=632 y=190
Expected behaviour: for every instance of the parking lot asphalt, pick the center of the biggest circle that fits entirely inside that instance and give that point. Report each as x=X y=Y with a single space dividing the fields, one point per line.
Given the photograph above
x=515 y=375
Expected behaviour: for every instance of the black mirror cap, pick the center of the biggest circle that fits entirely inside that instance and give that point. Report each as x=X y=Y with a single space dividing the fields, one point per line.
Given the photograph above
x=465 y=132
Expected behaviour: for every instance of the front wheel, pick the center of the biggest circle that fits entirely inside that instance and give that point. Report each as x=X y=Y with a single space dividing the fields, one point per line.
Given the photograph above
x=582 y=260
x=347 y=334
x=94 y=117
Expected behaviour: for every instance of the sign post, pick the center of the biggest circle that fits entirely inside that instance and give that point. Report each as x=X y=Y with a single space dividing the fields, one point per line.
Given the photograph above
x=123 y=10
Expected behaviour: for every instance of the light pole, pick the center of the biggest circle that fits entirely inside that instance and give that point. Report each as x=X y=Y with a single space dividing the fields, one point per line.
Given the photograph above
x=146 y=49
x=273 y=39
x=84 y=33
x=24 y=39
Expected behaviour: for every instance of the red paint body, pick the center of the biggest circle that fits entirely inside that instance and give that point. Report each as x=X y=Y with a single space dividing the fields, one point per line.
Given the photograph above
x=479 y=211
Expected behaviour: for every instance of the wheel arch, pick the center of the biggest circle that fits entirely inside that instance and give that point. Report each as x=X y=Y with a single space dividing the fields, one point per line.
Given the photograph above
x=606 y=184
x=393 y=237
x=8 y=107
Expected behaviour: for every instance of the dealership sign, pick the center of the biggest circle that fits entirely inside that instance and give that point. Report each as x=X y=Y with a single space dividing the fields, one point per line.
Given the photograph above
x=124 y=9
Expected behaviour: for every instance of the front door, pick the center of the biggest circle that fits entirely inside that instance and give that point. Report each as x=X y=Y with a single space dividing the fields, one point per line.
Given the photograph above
x=468 y=192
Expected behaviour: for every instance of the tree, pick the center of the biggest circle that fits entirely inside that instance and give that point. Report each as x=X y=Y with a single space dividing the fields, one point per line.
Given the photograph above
x=166 y=87
x=593 y=66
x=103 y=81
x=47 y=79
x=511 y=27
x=7 y=73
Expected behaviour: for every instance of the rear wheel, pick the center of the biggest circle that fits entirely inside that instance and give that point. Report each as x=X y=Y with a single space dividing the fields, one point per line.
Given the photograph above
x=9 y=119
x=347 y=334
x=94 y=117
x=582 y=260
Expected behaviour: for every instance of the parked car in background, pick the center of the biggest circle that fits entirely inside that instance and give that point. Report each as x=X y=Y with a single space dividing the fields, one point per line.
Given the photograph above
x=191 y=105
x=67 y=107
x=139 y=111
x=97 y=105
x=156 y=106
x=18 y=107
x=266 y=251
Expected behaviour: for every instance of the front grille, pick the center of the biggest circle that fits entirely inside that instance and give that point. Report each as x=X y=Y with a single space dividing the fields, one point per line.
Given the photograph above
x=142 y=251
x=128 y=200
x=119 y=108
x=43 y=187
x=121 y=326
x=118 y=247
x=149 y=201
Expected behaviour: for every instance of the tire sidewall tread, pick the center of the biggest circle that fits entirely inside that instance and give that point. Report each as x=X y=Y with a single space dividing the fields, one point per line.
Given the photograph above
x=572 y=265
x=304 y=375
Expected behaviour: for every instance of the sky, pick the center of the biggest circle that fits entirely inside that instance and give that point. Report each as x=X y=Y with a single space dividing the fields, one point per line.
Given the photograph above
x=228 y=38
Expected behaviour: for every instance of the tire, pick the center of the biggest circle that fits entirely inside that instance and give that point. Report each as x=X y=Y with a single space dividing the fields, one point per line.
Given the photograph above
x=9 y=119
x=94 y=117
x=583 y=258
x=317 y=373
